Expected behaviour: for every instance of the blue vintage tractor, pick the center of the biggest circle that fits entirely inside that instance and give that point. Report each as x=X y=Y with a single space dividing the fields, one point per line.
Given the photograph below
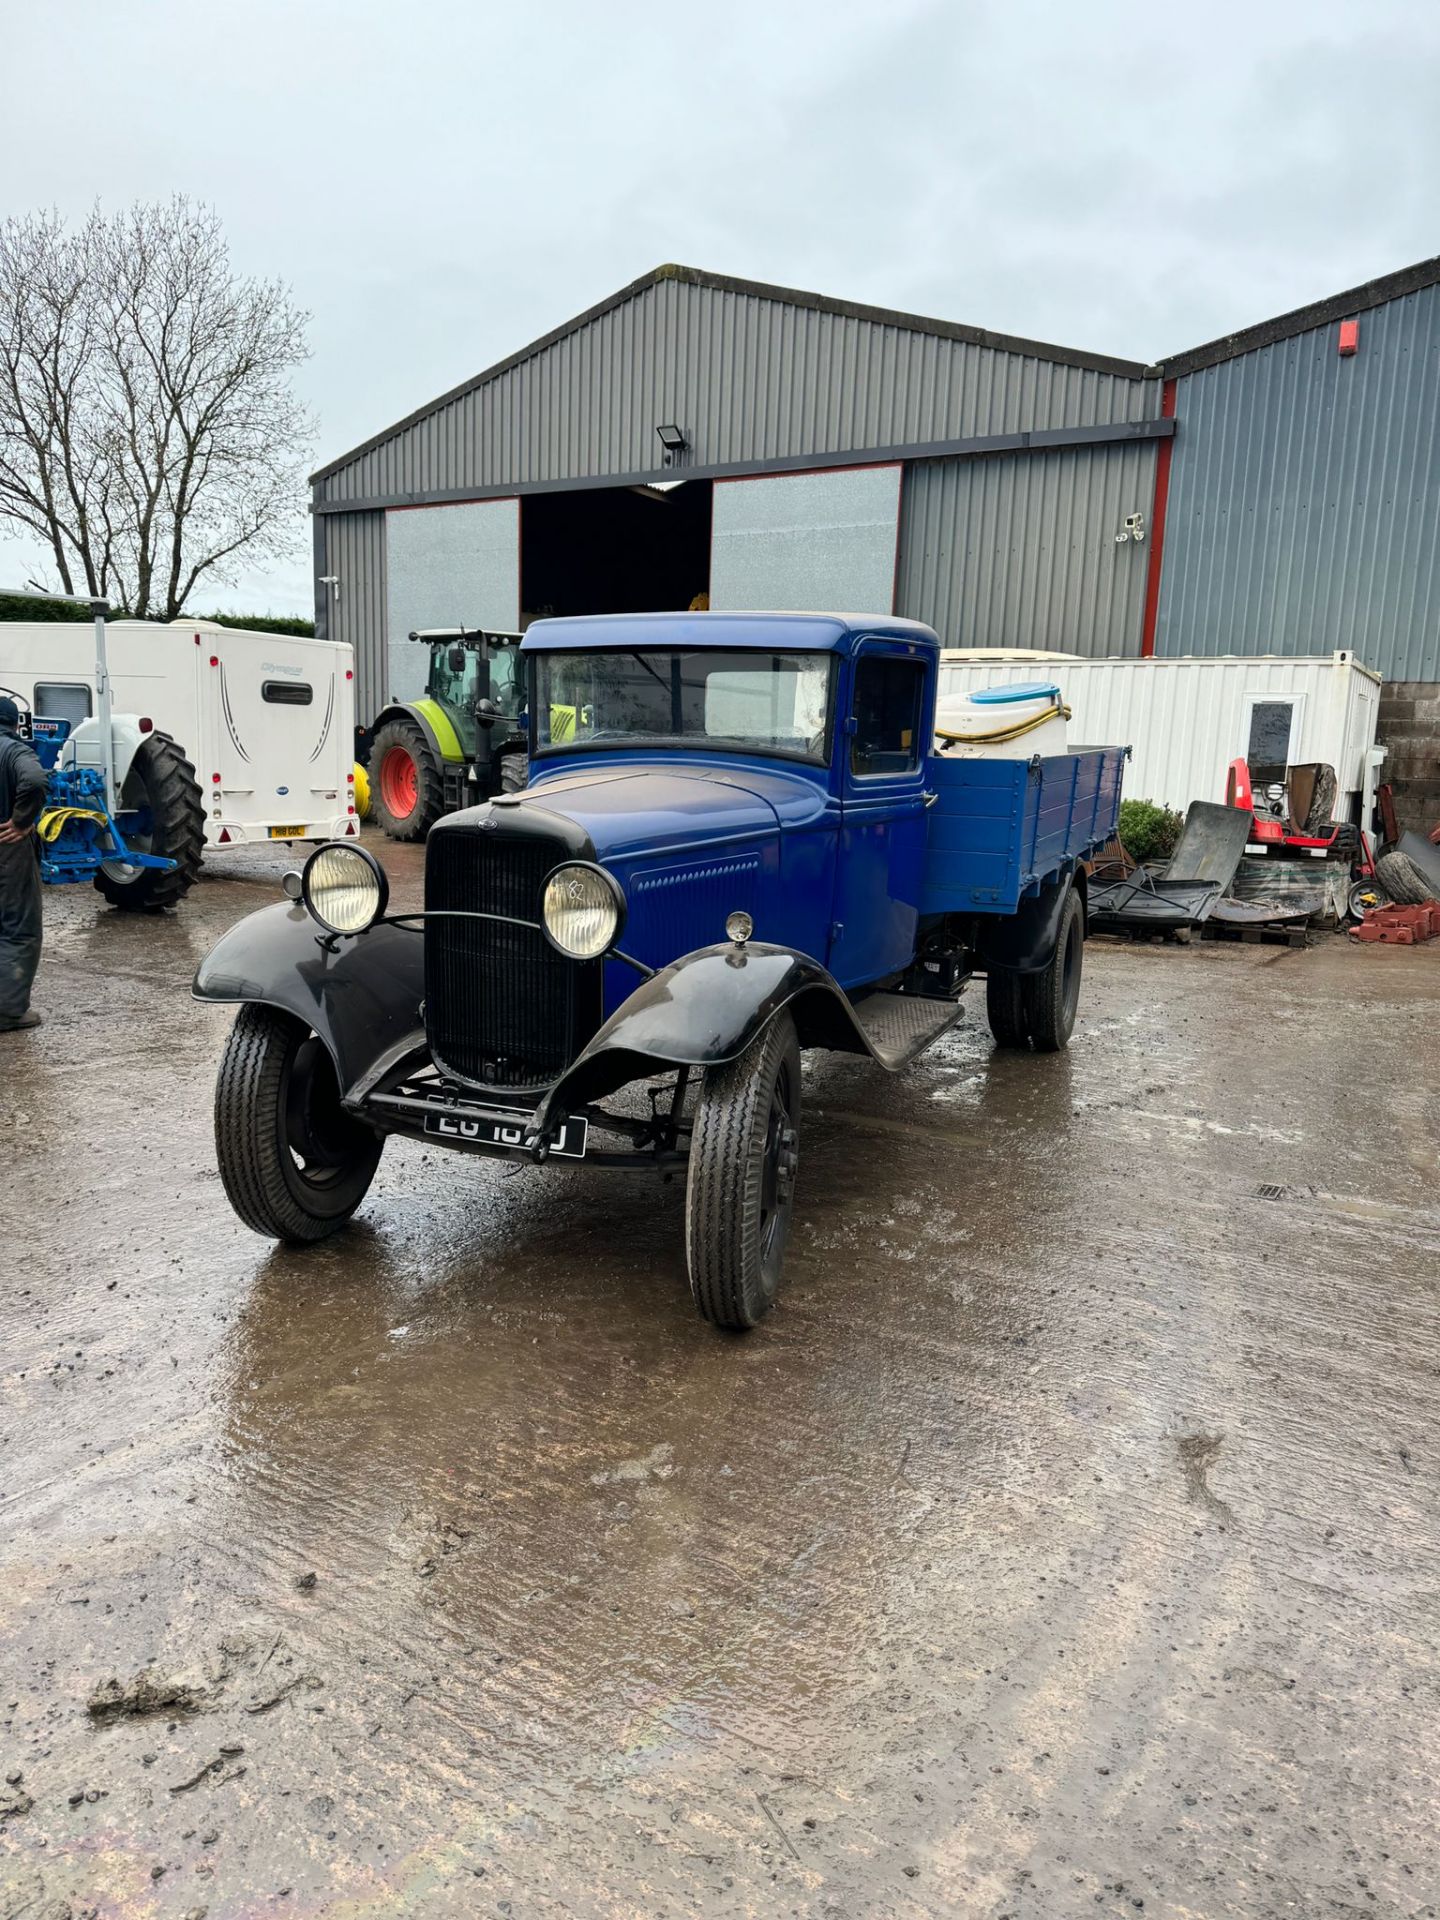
x=123 y=808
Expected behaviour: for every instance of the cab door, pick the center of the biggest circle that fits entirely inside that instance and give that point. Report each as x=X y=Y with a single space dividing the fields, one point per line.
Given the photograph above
x=882 y=833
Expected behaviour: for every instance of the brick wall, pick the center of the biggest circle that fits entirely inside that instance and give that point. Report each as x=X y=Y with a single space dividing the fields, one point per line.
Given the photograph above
x=1409 y=730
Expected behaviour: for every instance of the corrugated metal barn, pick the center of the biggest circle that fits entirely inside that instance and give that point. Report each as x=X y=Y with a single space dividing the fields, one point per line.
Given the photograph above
x=907 y=465
x=1277 y=491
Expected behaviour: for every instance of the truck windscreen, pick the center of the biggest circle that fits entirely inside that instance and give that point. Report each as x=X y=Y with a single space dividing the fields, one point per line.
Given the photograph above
x=745 y=700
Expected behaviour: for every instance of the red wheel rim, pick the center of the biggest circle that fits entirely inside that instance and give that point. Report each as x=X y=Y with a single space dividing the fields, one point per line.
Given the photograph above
x=399 y=783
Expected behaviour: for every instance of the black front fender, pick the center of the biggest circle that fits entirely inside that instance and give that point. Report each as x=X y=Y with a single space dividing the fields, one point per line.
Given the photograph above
x=361 y=994
x=705 y=1009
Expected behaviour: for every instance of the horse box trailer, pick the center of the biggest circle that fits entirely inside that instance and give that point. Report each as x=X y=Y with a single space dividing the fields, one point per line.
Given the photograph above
x=266 y=719
x=1187 y=719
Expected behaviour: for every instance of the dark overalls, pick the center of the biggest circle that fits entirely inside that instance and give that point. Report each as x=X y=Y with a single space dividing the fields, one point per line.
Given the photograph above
x=22 y=795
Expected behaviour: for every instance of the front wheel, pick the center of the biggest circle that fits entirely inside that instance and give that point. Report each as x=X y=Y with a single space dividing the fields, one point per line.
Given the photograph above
x=743 y=1157
x=294 y=1165
x=407 y=794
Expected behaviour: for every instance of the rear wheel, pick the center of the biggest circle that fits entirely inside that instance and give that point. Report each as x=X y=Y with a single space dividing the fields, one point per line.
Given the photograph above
x=166 y=816
x=407 y=795
x=1004 y=1009
x=1051 y=999
x=294 y=1165
x=743 y=1157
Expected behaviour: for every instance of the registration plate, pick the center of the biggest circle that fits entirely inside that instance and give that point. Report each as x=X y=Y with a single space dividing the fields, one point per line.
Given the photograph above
x=287 y=833
x=484 y=1129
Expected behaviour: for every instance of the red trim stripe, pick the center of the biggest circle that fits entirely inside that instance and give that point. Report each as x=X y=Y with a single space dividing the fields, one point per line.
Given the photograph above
x=1157 y=527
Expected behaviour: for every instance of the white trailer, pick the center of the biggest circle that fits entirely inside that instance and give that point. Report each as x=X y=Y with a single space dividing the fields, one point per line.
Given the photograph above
x=267 y=719
x=1188 y=719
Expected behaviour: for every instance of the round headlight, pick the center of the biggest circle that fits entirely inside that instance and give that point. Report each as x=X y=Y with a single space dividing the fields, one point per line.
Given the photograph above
x=583 y=911
x=344 y=888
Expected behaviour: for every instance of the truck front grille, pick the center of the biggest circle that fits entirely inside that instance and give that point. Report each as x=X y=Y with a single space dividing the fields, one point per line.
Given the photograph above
x=502 y=1007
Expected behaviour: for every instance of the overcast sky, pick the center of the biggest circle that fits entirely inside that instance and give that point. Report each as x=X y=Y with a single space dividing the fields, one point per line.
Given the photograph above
x=441 y=182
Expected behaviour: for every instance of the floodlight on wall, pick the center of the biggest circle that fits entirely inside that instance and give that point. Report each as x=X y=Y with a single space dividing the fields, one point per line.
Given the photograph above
x=673 y=440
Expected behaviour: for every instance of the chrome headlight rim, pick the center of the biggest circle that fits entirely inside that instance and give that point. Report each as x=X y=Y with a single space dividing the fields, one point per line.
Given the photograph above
x=618 y=903
x=374 y=870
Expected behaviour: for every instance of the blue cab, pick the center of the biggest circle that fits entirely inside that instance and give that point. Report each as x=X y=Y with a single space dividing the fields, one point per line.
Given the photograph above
x=737 y=841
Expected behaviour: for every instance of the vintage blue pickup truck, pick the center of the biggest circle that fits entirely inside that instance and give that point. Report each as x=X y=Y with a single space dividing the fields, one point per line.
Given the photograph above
x=738 y=841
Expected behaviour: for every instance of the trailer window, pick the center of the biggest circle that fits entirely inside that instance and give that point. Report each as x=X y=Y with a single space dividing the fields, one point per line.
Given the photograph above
x=287 y=693
x=888 y=698
x=62 y=700
x=1268 y=749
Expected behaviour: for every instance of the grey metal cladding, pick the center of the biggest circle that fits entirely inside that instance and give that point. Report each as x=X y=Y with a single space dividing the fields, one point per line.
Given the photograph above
x=1021 y=551
x=355 y=551
x=749 y=376
x=1305 y=498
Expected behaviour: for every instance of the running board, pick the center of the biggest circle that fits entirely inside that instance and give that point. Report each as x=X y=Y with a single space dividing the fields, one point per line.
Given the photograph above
x=898 y=1026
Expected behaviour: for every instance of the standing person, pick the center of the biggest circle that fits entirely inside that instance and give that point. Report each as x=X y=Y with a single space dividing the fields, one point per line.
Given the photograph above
x=22 y=795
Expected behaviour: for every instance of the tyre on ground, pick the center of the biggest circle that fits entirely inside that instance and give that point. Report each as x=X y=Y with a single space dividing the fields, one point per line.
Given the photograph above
x=1004 y=1008
x=293 y=1163
x=161 y=791
x=407 y=794
x=744 y=1152
x=1405 y=882
x=1038 y=1009
x=1051 y=998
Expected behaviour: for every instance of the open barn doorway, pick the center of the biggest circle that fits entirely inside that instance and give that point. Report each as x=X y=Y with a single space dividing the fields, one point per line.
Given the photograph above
x=614 y=550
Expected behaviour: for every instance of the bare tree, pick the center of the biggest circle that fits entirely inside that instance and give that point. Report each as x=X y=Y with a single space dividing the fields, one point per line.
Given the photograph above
x=149 y=433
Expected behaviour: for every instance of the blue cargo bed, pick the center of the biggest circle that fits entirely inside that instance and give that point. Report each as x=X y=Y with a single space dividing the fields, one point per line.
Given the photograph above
x=1000 y=826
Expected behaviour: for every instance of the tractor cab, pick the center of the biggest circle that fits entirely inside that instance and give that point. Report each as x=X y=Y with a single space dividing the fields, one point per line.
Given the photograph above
x=475 y=677
x=462 y=742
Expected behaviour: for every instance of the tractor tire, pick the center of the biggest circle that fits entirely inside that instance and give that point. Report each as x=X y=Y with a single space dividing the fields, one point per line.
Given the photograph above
x=1005 y=1008
x=1405 y=883
x=1051 y=999
x=514 y=772
x=741 y=1188
x=1321 y=816
x=294 y=1165
x=162 y=782
x=407 y=794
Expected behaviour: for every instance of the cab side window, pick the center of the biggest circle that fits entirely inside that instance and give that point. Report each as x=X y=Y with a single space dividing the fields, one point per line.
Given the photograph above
x=889 y=695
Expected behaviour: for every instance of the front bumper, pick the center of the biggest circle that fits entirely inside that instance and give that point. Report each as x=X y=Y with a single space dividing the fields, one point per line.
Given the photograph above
x=221 y=833
x=413 y=1099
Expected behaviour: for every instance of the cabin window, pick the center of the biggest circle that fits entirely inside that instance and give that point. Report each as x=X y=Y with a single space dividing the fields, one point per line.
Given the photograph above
x=287 y=693
x=889 y=695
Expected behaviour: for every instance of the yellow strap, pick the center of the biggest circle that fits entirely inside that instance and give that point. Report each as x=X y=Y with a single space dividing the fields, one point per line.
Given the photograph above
x=54 y=820
x=1012 y=732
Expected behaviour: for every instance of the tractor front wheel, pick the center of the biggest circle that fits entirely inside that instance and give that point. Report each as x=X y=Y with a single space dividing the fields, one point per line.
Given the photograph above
x=407 y=794
x=294 y=1164
x=162 y=811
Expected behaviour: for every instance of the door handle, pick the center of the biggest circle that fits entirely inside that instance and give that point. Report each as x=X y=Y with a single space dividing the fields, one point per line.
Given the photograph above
x=929 y=798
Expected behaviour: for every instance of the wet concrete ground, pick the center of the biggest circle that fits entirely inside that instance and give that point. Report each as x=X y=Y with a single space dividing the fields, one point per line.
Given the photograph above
x=1066 y=1543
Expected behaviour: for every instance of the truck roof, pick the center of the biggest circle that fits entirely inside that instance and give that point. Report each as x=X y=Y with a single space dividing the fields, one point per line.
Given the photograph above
x=811 y=632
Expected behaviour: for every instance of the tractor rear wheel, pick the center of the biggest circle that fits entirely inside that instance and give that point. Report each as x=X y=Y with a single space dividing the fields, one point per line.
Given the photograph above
x=407 y=795
x=743 y=1155
x=294 y=1164
x=161 y=791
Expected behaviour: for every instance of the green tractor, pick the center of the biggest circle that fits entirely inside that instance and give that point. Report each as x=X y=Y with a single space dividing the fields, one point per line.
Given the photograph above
x=461 y=743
